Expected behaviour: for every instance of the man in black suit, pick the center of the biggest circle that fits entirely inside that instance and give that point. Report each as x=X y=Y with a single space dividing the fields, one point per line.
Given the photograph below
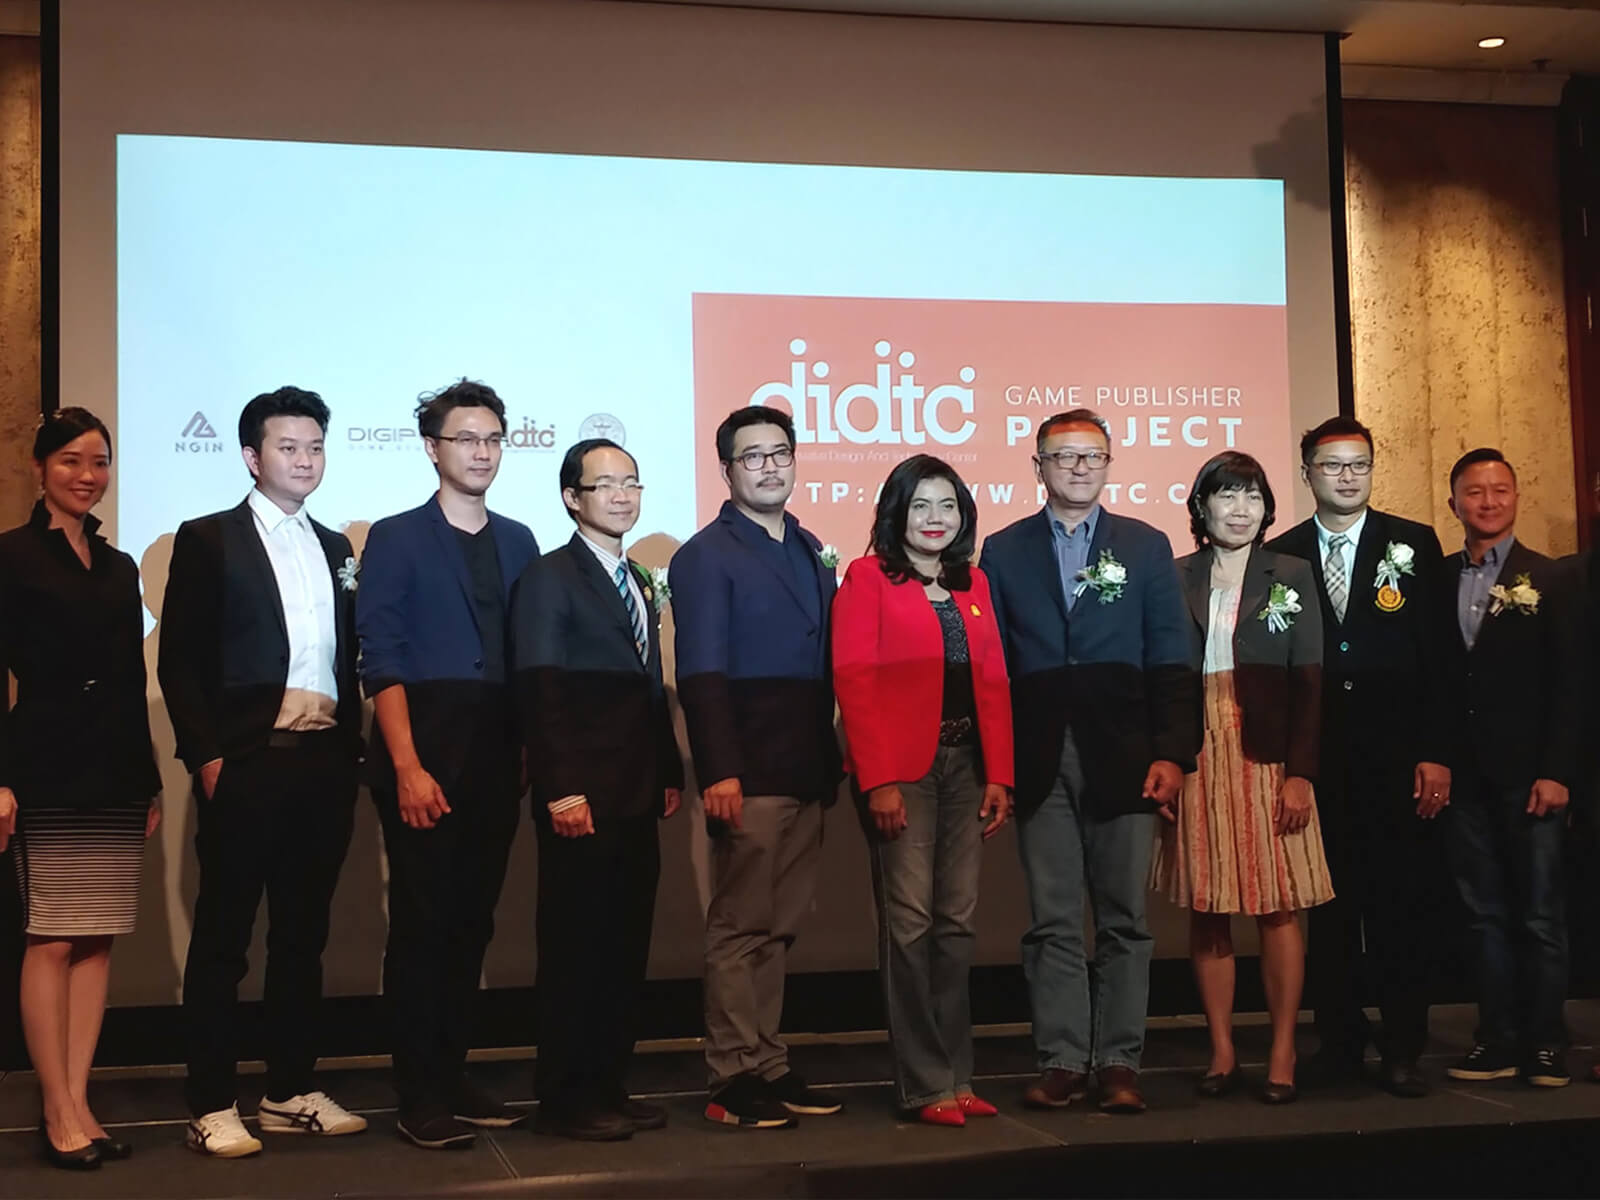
x=1518 y=712
x=257 y=663
x=1384 y=778
x=605 y=766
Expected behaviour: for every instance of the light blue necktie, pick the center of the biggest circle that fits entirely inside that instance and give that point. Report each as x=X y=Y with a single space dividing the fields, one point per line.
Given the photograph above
x=641 y=642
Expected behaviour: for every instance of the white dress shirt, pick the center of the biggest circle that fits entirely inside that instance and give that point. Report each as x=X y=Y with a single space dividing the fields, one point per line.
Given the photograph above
x=609 y=562
x=305 y=586
x=1353 y=533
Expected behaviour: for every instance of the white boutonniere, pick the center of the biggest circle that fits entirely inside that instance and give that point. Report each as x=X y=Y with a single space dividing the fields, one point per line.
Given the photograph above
x=350 y=575
x=1107 y=578
x=662 y=589
x=829 y=555
x=1397 y=560
x=1520 y=597
x=1282 y=604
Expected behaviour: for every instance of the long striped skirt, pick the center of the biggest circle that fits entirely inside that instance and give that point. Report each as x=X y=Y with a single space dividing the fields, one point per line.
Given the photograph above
x=1223 y=855
x=78 y=870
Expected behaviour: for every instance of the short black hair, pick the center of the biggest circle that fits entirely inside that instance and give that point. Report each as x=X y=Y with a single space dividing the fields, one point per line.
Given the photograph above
x=1228 y=470
x=285 y=402
x=66 y=425
x=1073 y=416
x=1347 y=428
x=572 y=463
x=434 y=407
x=743 y=418
x=1483 y=454
x=888 y=540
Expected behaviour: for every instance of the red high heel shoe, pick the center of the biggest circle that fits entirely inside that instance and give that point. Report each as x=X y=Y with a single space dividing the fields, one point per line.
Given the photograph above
x=946 y=1112
x=974 y=1106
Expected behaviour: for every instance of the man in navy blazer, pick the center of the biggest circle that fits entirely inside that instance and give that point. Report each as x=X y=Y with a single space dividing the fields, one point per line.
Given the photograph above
x=751 y=599
x=1106 y=710
x=432 y=612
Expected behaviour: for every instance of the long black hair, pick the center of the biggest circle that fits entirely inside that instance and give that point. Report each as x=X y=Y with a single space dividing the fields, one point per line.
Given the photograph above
x=894 y=507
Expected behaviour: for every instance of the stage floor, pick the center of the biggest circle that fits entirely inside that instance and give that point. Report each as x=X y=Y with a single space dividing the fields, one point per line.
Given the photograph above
x=1501 y=1137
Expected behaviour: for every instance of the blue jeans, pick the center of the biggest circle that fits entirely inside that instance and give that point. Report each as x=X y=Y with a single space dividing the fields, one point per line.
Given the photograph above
x=1086 y=1015
x=1507 y=867
x=926 y=884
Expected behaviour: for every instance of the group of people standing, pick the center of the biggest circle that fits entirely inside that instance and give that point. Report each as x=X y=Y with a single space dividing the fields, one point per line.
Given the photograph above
x=1259 y=728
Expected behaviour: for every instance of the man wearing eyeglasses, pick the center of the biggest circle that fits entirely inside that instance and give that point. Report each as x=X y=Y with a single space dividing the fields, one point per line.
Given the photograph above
x=605 y=767
x=445 y=765
x=750 y=600
x=1384 y=778
x=1106 y=710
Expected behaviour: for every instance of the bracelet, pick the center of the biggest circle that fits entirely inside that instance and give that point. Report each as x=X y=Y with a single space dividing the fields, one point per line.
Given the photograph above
x=565 y=803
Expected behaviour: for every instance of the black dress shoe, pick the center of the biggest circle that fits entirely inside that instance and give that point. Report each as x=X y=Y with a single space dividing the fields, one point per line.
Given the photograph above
x=1279 y=1093
x=84 y=1158
x=642 y=1115
x=593 y=1125
x=112 y=1150
x=1405 y=1079
x=1217 y=1085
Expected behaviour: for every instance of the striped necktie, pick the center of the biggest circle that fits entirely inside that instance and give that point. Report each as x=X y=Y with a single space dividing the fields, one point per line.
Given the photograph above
x=641 y=641
x=1335 y=575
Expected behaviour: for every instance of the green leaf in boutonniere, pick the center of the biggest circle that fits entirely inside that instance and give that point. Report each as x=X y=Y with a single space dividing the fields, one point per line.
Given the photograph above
x=1282 y=603
x=1107 y=578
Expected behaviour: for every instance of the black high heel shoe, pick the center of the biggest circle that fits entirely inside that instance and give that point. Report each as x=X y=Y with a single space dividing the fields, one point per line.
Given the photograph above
x=112 y=1150
x=1214 y=1087
x=85 y=1158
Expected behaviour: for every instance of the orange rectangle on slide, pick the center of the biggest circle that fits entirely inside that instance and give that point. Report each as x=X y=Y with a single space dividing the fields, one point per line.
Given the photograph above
x=871 y=382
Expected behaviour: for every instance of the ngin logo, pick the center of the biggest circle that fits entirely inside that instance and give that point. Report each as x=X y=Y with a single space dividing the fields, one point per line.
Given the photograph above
x=198 y=437
x=904 y=412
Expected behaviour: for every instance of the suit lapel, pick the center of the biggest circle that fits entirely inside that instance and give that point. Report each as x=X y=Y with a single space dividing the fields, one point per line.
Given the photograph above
x=652 y=626
x=1043 y=552
x=332 y=552
x=256 y=555
x=744 y=531
x=1364 y=570
x=604 y=588
x=450 y=551
x=1254 y=592
x=1197 y=587
x=1514 y=565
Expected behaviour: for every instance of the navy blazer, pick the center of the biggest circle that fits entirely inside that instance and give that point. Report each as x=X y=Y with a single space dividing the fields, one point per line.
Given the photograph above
x=593 y=716
x=1118 y=673
x=419 y=629
x=753 y=661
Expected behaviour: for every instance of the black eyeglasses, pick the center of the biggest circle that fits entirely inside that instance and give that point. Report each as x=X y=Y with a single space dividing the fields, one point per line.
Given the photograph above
x=1068 y=460
x=1333 y=468
x=471 y=441
x=755 y=460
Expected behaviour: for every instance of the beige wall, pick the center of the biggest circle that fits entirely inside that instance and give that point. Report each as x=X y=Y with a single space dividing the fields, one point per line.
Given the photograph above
x=19 y=272
x=1457 y=308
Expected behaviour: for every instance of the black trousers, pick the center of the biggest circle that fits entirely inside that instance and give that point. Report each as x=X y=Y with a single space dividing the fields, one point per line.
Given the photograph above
x=444 y=884
x=597 y=899
x=1379 y=935
x=277 y=822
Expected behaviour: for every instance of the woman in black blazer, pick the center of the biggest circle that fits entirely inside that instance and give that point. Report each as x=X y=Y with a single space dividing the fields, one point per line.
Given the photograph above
x=1246 y=837
x=76 y=767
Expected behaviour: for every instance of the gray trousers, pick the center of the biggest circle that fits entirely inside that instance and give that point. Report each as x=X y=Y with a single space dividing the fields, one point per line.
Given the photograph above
x=926 y=885
x=763 y=877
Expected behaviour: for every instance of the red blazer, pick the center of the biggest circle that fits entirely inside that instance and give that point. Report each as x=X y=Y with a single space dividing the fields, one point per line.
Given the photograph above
x=888 y=674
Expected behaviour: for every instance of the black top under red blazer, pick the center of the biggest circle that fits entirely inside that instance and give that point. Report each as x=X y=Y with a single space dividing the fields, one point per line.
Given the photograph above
x=1277 y=677
x=888 y=673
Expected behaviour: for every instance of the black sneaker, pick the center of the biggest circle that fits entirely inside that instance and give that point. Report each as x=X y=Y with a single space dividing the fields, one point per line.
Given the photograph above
x=748 y=1103
x=433 y=1128
x=792 y=1092
x=1546 y=1068
x=1483 y=1062
x=471 y=1105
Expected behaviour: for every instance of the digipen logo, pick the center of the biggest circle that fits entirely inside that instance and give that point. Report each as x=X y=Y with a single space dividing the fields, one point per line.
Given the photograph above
x=198 y=437
x=903 y=411
x=381 y=438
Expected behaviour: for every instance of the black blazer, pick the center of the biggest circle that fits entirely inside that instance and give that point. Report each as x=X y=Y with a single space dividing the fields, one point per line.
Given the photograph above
x=1386 y=671
x=224 y=656
x=1277 y=677
x=594 y=718
x=1519 y=704
x=1118 y=674
x=79 y=736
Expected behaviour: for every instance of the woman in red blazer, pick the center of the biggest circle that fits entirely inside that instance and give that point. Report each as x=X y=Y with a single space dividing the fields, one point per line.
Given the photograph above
x=921 y=681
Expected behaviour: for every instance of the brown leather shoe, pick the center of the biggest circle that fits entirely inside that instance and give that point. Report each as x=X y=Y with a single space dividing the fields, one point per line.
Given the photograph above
x=1056 y=1088
x=1119 y=1090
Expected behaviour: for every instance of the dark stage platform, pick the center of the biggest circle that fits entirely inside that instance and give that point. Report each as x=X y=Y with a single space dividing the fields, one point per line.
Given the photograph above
x=1499 y=1139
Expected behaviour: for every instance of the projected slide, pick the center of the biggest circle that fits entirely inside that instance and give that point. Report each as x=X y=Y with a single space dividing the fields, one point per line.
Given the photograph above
x=892 y=311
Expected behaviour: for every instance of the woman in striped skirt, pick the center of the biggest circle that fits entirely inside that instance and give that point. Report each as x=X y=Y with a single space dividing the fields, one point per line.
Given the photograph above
x=78 y=775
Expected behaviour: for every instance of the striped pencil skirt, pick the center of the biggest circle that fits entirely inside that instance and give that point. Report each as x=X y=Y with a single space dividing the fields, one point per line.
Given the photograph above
x=78 y=870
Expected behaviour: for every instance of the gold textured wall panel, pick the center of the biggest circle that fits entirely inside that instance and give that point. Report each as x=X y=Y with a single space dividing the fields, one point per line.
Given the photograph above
x=19 y=272
x=1456 y=305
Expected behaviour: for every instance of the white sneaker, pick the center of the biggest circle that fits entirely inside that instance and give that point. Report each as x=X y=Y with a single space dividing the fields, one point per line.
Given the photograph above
x=222 y=1135
x=314 y=1112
